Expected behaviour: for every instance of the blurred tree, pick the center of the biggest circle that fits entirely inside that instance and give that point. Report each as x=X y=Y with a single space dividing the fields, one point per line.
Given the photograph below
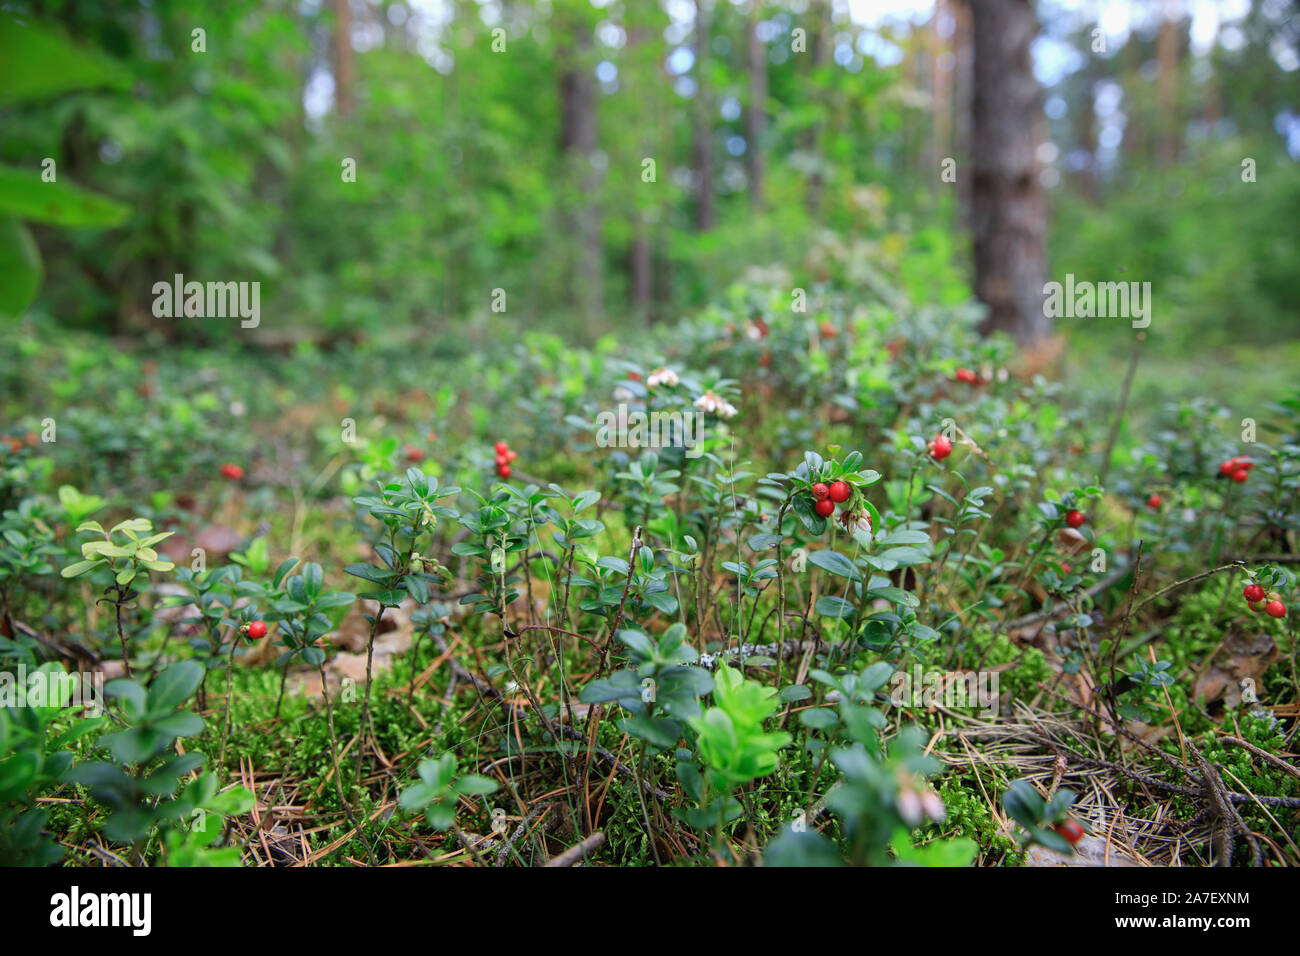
x=702 y=130
x=757 y=107
x=1009 y=210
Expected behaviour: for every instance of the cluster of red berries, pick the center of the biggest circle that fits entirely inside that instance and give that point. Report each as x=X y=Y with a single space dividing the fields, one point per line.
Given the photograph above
x=1154 y=502
x=967 y=376
x=233 y=472
x=1071 y=830
x=1254 y=595
x=16 y=442
x=940 y=447
x=1075 y=519
x=1236 y=468
x=828 y=496
x=504 y=457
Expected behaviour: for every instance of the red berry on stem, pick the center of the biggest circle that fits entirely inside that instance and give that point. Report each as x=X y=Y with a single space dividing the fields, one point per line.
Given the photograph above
x=1240 y=475
x=840 y=491
x=1153 y=501
x=257 y=630
x=503 y=471
x=1075 y=519
x=501 y=448
x=820 y=490
x=1275 y=609
x=940 y=447
x=1070 y=830
x=825 y=507
x=503 y=460
x=233 y=472
x=510 y=455
x=1253 y=592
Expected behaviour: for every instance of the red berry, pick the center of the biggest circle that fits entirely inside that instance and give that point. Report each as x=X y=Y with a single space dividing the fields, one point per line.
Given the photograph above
x=503 y=471
x=1153 y=501
x=257 y=630
x=1070 y=830
x=503 y=460
x=412 y=453
x=1275 y=609
x=820 y=490
x=1075 y=519
x=634 y=376
x=966 y=375
x=501 y=448
x=940 y=447
x=1226 y=468
x=1253 y=592
x=234 y=472
x=825 y=507
x=1240 y=475
x=510 y=455
x=840 y=491
x=1255 y=607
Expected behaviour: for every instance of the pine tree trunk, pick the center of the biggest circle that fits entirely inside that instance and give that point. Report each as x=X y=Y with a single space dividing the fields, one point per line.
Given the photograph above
x=344 y=61
x=1009 y=209
x=578 y=142
x=702 y=134
x=755 y=114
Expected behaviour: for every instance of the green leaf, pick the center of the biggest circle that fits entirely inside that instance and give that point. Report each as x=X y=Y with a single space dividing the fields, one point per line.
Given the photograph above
x=38 y=61
x=835 y=563
x=174 y=686
x=832 y=606
x=24 y=195
x=818 y=718
x=808 y=848
x=473 y=784
x=79 y=568
x=957 y=852
x=20 y=267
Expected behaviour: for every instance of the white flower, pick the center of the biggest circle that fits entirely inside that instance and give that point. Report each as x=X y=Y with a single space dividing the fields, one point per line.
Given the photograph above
x=662 y=376
x=708 y=402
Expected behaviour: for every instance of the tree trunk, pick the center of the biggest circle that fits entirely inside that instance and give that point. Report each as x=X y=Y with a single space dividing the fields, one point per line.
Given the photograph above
x=755 y=115
x=702 y=133
x=963 y=43
x=1167 y=86
x=578 y=142
x=344 y=62
x=1009 y=210
x=820 y=14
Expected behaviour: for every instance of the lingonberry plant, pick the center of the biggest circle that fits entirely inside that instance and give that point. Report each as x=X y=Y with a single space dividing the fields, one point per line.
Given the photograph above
x=126 y=556
x=696 y=658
